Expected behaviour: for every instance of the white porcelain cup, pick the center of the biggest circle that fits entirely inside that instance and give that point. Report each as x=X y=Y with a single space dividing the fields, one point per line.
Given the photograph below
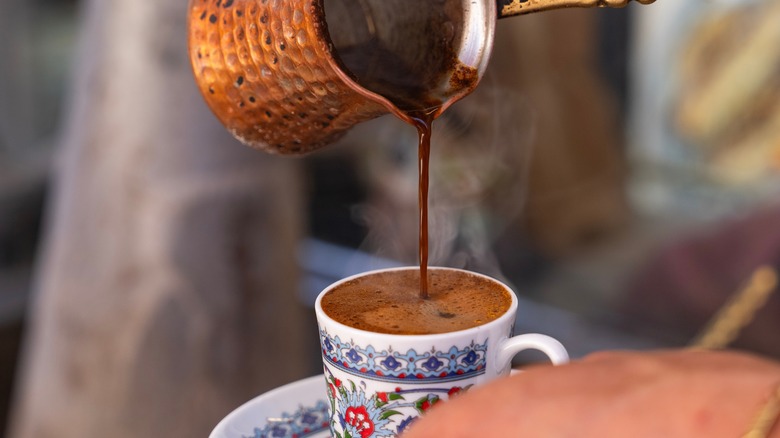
x=378 y=384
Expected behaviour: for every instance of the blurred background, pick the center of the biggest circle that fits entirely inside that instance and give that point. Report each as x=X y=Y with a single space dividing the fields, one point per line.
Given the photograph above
x=618 y=167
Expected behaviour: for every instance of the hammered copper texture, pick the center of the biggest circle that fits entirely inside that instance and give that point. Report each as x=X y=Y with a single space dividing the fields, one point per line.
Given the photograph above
x=265 y=69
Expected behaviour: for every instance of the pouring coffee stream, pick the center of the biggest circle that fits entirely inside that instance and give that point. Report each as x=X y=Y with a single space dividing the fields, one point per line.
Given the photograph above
x=292 y=76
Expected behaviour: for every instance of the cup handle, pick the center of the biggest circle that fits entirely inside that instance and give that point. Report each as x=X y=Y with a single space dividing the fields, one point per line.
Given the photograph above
x=531 y=341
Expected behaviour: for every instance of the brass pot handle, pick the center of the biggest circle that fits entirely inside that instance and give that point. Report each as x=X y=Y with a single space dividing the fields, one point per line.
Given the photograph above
x=509 y=8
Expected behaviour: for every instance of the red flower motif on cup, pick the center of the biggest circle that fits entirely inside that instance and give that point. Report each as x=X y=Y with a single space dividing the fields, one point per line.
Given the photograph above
x=358 y=418
x=424 y=404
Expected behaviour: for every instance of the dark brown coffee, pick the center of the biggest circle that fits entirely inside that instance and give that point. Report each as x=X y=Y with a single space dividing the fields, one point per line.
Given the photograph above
x=395 y=69
x=389 y=302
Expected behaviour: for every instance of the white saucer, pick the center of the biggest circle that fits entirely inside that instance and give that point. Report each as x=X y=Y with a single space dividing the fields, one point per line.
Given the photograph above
x=298 y=409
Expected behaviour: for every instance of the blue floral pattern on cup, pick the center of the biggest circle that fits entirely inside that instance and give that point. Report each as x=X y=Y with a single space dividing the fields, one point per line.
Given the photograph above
x=360 y=414
x=396 y=366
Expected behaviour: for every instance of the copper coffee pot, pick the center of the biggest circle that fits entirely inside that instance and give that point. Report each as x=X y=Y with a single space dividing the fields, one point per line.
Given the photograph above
x=290 y=76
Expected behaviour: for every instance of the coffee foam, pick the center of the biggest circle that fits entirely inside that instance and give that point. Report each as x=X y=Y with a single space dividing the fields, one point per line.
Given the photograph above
x=389 y=302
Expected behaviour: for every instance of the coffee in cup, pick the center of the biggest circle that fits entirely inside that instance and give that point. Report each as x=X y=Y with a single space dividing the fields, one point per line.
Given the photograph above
x=381 y=378
x=389 y=302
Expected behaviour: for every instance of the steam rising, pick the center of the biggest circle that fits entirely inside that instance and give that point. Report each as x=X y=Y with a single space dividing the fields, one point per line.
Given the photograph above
x=480 y=156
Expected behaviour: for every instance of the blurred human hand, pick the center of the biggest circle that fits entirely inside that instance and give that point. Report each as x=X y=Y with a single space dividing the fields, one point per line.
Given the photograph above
x=682 y=393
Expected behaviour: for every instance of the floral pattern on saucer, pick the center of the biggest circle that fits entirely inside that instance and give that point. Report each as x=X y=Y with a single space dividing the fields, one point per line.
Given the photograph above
x=305 y=422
